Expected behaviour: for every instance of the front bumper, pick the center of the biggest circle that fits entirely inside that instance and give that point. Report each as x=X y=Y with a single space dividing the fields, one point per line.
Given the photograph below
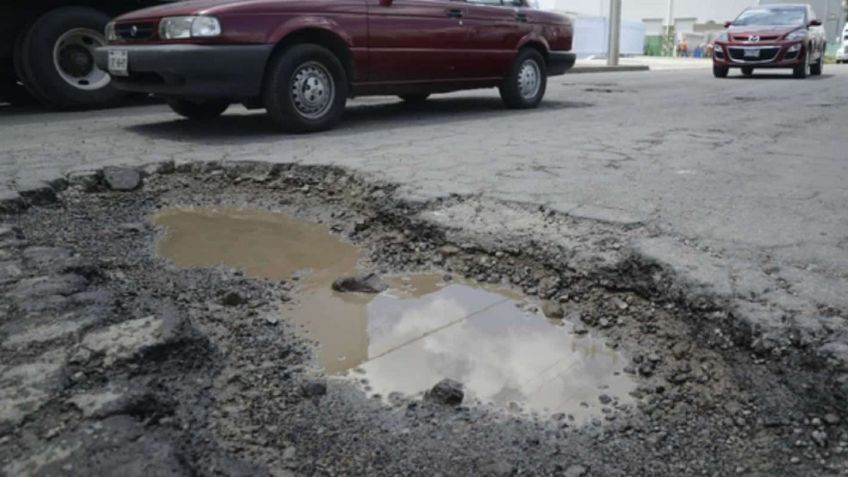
x=760 y=55
x=191 y=71
x=559 y=62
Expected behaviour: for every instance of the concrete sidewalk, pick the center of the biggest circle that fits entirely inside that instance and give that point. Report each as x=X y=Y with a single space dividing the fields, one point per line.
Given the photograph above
x=641 y=63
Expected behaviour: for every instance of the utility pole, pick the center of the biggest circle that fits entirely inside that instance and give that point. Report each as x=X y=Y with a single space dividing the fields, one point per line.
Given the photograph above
x=669 y=19
x=614 y=33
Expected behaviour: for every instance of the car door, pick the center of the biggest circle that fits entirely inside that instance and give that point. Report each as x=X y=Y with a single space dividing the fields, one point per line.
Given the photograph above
x=496 y=28
x=416 y=40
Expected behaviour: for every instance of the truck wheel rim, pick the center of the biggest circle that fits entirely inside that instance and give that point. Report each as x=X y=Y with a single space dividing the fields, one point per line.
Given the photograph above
x=529 y=79
x=312 y=90
x=73 y=59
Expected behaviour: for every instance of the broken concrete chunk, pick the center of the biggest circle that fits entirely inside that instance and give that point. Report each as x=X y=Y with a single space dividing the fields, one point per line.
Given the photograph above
x=128 y=340
x=553 y=310
x=448 y=392
x=836 y=353
x=25 y=388
x=121 y=178
x=37 y=193
x=361 y=283
x=41 y=287
x=11 y=202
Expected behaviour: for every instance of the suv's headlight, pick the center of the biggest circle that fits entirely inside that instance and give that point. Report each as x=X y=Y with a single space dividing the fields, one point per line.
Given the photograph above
x=109 y=33
x=797 y=35
x=173 y=28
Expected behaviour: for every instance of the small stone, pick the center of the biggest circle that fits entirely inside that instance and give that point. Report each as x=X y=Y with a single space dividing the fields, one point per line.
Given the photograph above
x=121 y=178
x=553 y=310
x=289 y=453
x=447 y=391
x=794 y=460
x=233 y=299
x=580 y=329
x=314 y=389
x=820 y=438
x=449 y=250
x=361 y=283
x=272 y=320
x=604 y=399
x=831 y=419
x=575 y=471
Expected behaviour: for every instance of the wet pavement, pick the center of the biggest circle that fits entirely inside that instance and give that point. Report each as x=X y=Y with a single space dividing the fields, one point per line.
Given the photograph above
x=425 y=328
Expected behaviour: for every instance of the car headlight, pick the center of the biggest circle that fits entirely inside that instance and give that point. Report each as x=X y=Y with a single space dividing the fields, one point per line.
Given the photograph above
x=794 y=48
x=797 y=35
x=174 y=28
x=109 y=32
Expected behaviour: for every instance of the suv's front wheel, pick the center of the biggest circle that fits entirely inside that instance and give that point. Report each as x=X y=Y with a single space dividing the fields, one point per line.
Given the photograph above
x=306 y=89
x=720 y=71
x=525 y=86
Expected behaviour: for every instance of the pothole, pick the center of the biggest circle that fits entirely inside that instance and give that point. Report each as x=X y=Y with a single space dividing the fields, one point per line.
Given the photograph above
x=424 y=328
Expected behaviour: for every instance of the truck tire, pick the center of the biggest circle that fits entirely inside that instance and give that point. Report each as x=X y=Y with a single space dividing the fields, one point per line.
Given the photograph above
x=525 y=86
x=199 y=110
x=306 y=89
x=55 y=59
x=14 y=93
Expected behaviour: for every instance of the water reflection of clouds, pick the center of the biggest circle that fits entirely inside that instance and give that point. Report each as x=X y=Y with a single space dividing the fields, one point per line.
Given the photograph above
x=498 y=352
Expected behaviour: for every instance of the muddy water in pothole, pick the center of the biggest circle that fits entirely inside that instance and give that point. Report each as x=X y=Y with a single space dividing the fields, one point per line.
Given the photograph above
x=419 y=331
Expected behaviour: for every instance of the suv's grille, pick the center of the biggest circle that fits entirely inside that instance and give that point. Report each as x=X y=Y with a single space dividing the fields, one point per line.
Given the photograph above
x=135 y=31
x=762 y=55
x=748 y=38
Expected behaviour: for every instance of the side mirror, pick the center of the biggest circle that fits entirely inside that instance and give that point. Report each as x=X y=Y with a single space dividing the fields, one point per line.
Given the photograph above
x=816 y=22
x=727 y=24
x=386 y=3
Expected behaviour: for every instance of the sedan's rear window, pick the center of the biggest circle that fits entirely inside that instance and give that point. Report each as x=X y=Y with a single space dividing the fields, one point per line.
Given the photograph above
x=771 y=16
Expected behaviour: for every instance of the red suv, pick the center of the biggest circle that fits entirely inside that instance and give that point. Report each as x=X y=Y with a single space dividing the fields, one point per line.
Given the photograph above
x=302 y=59
x=775 y=36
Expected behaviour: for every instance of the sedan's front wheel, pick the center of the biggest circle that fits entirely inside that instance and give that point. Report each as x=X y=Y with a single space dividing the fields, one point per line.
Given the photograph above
x=306 y=89
x=803 y=69
x=816 y=69
x=525 y=86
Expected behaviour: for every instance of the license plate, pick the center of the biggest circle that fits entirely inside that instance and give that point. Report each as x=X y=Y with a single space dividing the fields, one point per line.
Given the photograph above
x=752 y=53
x=119 y=63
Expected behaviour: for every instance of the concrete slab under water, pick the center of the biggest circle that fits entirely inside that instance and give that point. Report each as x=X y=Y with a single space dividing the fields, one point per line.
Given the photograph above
x=419 y=331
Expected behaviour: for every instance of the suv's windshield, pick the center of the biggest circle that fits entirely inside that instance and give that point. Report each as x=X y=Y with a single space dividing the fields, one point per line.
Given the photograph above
x=771 y=16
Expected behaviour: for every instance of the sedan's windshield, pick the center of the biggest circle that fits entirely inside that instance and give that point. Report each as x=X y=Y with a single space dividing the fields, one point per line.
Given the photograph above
x=771 y=16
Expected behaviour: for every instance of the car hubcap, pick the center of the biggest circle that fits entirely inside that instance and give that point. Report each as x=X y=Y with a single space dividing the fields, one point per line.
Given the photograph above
x=73 y=59
x=312 y=90
x=529 y=79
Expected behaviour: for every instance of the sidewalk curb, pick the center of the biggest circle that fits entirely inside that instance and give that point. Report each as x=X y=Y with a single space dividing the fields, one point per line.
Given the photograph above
x=608 y=69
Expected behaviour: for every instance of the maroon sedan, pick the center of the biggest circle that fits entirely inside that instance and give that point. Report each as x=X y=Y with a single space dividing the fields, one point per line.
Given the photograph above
x=302 y=59
x=776 y=36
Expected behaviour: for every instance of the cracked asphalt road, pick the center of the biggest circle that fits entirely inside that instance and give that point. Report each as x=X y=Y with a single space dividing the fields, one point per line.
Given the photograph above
x=750 y=169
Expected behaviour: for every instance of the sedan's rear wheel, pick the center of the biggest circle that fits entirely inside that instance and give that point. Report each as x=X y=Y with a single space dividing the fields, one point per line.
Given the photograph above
x=306 y=89
x=720 y=71
x=803 y=69
x=525 y=86
x=199 y=110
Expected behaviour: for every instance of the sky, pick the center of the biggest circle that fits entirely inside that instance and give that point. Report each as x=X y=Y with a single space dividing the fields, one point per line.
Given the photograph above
x=717 y=10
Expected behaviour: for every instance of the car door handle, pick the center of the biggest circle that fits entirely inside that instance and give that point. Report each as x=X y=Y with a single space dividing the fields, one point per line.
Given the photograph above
x=455 y=13
x=522 y=17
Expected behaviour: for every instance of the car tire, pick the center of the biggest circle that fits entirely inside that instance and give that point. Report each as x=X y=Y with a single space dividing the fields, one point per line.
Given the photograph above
x=55 y=60
x=306 y=89
x=747 y=70
x=525 y=86
x=199 y=110
x=720 y=71
x=803 y=69
x=414 y=98
x=818 y=67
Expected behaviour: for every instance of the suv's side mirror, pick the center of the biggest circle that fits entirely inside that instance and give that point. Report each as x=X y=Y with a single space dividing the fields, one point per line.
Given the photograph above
x=727 y=24
x=816 y=22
